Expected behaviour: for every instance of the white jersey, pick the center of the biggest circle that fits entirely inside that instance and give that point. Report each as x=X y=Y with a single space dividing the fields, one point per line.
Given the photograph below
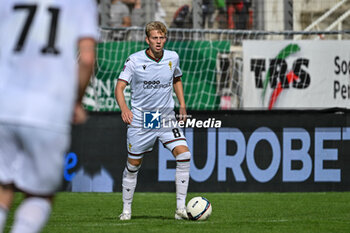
x=151 y=83
x=38 y=53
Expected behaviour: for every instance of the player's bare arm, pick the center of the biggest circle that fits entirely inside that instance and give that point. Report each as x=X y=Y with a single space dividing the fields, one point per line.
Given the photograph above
x=86 y=64
x=178 y=88
x=119 y=95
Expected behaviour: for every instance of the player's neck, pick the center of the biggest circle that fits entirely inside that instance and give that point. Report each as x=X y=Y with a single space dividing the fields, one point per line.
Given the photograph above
x=155 y=56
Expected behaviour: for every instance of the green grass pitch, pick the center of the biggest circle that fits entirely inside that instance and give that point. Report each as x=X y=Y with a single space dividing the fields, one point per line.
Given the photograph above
x=232 y=212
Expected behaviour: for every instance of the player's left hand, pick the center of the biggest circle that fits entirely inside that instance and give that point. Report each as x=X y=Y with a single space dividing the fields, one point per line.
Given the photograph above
x=79 y=116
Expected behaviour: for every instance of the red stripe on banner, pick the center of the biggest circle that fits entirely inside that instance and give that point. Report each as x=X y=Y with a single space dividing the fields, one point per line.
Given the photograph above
x=276 y=92
x=291 y=76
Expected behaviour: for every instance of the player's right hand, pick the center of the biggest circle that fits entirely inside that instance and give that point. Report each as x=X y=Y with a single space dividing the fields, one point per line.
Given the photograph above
x=127 y=116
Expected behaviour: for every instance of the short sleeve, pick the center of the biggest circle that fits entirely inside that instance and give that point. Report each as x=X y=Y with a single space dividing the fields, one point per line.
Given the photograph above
x=177 y=72
x=127 y=72
x=88 y=18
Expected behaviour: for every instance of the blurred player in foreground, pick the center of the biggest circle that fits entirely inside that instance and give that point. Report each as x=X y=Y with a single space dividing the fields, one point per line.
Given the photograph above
x=39 y=94
x=152 y=75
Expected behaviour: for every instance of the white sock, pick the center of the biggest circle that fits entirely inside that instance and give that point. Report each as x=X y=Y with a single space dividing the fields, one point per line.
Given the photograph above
x=182 y=176
x=32 y=215
x=129 y=185
x=3 y=217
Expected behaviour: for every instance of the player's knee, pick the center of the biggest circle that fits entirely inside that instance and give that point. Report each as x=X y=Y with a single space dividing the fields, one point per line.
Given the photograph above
x=183 y=157
x=132 y=167
x=179 y=150
x=134 y=161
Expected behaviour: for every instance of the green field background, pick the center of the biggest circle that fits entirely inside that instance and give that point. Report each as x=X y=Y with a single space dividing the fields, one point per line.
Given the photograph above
x=232 y=212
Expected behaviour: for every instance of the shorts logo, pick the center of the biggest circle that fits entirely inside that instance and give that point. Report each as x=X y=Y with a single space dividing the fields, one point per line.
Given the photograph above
x=151 y=120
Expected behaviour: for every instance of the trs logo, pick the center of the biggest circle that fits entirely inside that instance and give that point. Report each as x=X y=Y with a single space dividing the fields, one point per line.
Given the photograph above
x=151 y=120
x=278 y=74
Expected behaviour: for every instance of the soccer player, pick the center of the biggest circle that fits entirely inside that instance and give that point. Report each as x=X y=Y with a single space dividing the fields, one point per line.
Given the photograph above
x=152 y=75
x=41 y=88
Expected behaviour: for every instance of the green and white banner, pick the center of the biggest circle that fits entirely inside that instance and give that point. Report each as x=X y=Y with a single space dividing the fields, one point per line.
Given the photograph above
x=197 y=62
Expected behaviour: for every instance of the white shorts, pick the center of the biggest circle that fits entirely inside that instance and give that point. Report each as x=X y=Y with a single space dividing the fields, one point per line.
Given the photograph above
x=31 y=158
x=140 y=140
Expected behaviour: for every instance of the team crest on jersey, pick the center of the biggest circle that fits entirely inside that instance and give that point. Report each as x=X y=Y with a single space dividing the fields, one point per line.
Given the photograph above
x=144 y=67
x=151 y=120
x=170 y=65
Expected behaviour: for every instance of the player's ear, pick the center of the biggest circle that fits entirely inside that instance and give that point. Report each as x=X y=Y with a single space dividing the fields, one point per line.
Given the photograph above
x=147 y=40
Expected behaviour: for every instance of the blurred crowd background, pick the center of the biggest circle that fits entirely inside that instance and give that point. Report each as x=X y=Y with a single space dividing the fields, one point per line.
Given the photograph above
x=221 y=14
x=217 y=14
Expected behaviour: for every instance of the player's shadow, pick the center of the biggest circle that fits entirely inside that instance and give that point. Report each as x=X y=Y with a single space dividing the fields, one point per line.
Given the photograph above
x=145 y=217
x=152 y=217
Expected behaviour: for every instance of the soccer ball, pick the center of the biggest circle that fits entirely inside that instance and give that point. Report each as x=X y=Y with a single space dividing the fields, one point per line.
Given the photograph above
x=198 y=208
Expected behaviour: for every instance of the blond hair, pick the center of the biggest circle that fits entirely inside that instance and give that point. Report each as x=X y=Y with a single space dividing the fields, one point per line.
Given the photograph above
x=155 y=25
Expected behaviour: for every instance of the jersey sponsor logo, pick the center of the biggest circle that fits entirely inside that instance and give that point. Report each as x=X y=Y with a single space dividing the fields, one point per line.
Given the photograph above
x=155 y=84
x=151 y=120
